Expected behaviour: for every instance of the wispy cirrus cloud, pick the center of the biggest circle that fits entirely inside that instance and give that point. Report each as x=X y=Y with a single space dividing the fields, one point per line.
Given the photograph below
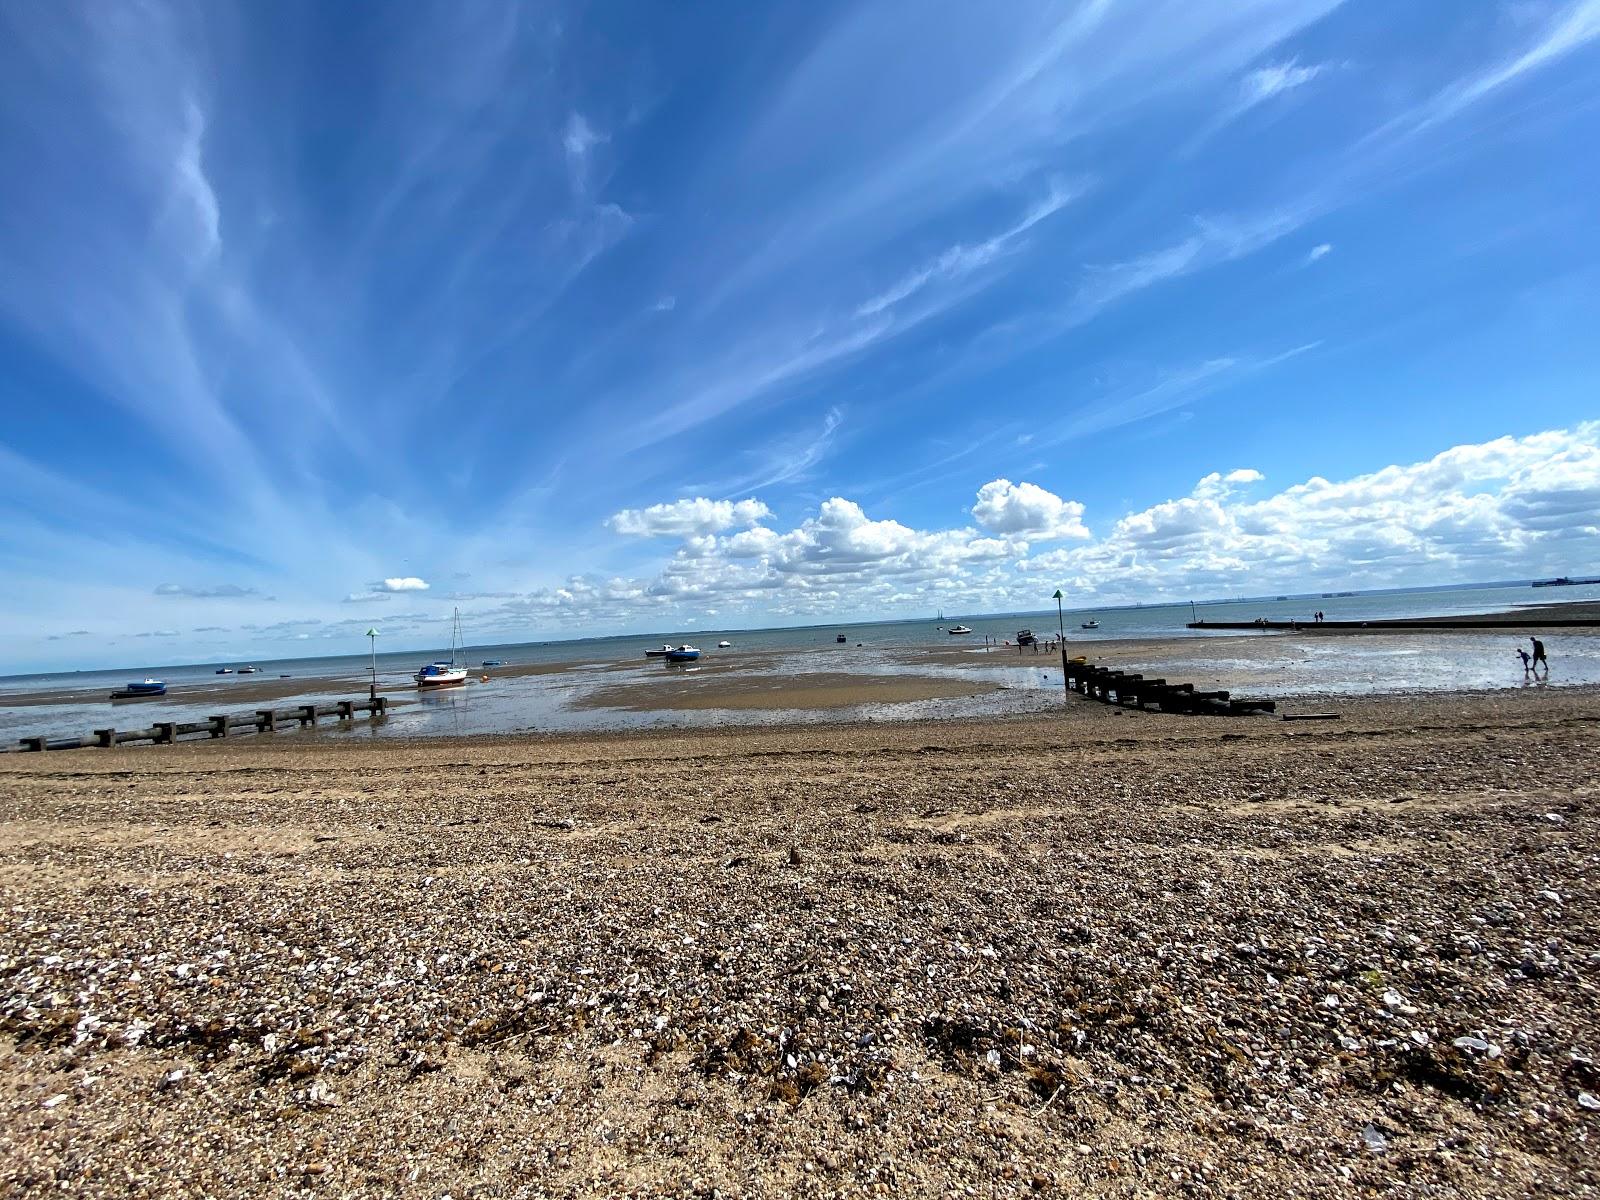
x=1572 y=26
x=219 y=591
x=964 y=258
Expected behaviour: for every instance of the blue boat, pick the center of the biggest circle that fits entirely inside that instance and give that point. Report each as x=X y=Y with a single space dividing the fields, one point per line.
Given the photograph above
x=494 y=662
x=682 y=654
x=149 y=689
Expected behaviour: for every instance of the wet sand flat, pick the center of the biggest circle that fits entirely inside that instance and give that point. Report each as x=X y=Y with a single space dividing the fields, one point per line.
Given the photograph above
x=1089 y=954
x=727 y=690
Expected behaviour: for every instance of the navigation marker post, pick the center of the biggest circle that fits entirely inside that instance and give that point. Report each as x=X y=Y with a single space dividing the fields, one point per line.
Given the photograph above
x=1061 y=632
x=372 y=639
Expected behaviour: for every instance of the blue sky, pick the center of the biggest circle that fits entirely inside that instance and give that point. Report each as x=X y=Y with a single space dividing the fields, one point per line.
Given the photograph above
x=629 y=317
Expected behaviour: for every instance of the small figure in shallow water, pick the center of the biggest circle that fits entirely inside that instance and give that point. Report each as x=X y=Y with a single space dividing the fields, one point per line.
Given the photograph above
x=1523 y=655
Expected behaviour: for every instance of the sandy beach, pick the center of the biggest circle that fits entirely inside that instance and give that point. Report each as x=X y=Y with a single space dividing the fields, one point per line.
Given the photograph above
x=1084 y=953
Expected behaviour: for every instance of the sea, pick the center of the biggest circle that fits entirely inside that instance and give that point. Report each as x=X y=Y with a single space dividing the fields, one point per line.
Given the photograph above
x=553 y=701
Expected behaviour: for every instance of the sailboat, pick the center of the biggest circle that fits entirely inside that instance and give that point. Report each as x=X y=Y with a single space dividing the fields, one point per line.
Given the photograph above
x=442 y=673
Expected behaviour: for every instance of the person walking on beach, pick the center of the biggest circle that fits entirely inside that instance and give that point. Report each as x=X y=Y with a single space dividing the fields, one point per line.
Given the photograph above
x=1538 y=656
x=1523 y=655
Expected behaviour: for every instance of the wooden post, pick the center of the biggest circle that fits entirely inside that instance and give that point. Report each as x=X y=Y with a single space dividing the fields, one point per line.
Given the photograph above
x=219 y=725
x=266 y=720
x=105 y=738
x=308 y=714
x=164 y=732
x=345 y=710
x=33 y=743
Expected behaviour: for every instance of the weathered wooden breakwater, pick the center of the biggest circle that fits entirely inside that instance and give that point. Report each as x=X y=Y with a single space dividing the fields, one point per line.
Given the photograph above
x=262 y=720
x=1135 y=691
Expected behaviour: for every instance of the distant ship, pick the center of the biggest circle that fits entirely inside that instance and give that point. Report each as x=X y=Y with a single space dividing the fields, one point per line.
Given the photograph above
x=1564 y=581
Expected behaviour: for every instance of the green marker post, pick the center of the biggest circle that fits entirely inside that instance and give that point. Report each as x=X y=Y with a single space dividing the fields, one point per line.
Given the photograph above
x=1061 y=633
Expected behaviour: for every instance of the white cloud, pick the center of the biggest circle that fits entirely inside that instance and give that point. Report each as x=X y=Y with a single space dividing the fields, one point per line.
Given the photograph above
x=1501 y=509
x=1214 y=241
x=1266 y=82
x=580 y=137
x=965 y=258
x=401 y=583
x=1217 y=485
x=1026 y=509
x=220 y=591
x=1319 y=252
x=686 y=518
x=1574 y=25
x=367 y=598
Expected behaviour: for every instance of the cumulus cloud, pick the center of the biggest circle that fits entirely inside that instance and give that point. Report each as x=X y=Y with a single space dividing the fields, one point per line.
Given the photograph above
x=1512 y=507
x=1317 y=253
x=1217 y=485
x=1026 y=509
x=688 y=518
x=1515 y=506
x=401 y=583
x=220 y=591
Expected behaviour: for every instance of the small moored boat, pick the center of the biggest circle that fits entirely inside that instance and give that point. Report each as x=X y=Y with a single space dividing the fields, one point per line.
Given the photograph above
x=841 y=638
x=440 y=674
x=248 y=670
x=723 y=645
x=224 y=670
x=959 y=629
x=494 y=662
x=1025 y=637
x=683 y=653
x=1091 y=623
x=661 y=653
x=443 y=673
x=149 y=689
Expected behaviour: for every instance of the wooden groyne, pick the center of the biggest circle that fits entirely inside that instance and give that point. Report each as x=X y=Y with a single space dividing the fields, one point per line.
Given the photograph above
x=1135 y=691
x=1407 y=624
x=162 y=733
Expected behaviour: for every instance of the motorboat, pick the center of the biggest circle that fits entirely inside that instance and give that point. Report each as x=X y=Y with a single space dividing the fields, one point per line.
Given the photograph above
x=224 y=670
x=494 y=662
x=1091 y=623
x=959 y=629
x=445 y=672
x=149 y=689
x=1025 y=637
x=248 y=670
x=661 y=653
x=723 y=645
x=841 y=638
x=681 y=654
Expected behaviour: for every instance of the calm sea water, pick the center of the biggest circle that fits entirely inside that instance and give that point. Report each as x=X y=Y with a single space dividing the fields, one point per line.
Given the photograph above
x=1334 y=665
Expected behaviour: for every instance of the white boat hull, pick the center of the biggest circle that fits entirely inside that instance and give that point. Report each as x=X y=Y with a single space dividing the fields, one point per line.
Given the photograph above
x=443 y=679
